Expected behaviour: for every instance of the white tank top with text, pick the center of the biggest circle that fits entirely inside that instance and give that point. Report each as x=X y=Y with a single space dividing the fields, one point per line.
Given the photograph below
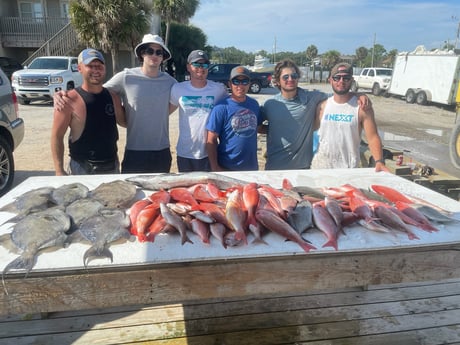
x=339 y=136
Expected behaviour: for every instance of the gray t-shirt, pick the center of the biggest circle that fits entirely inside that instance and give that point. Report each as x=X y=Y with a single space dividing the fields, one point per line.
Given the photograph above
x=146 y=102
x=290 y=129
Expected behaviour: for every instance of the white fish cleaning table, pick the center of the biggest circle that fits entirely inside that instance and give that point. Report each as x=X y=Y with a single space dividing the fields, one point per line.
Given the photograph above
x=167 y=272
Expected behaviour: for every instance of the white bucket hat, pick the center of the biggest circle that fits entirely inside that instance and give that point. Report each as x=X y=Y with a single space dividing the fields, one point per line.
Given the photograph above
x=149 y=39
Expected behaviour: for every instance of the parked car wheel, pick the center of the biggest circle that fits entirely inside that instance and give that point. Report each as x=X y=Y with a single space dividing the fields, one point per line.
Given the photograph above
x=376 y=90
x=422 y=98
x=354 y=87
x=6 y=166
x=11 y=133
x=454 y=146
x=23 y=101
x=410 y=96
x=255 y=87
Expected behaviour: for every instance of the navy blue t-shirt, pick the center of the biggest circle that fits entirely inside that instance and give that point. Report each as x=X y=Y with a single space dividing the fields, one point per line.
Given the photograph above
x=236 y=125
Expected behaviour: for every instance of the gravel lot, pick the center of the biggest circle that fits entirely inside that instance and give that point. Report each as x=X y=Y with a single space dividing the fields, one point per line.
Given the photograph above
x=394 y=116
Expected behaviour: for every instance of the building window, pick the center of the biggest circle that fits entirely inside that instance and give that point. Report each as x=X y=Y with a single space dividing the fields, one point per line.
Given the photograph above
x=31 y=9
x=65 y=9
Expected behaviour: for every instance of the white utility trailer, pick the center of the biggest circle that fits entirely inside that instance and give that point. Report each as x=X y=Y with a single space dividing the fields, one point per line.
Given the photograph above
x=422 y=77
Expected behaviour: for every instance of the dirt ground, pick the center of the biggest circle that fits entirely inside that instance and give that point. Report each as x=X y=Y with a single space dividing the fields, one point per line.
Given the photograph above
x=33 y=156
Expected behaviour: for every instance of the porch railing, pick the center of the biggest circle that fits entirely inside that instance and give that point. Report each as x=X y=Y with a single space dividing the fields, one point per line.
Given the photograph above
x=52 y=36
x=63 y=43
x=29 y=32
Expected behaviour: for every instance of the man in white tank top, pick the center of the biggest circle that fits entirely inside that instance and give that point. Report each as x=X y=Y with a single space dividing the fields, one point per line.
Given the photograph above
x=341 y=120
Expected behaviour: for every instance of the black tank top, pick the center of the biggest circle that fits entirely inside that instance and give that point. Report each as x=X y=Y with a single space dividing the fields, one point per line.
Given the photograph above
x=99 y=138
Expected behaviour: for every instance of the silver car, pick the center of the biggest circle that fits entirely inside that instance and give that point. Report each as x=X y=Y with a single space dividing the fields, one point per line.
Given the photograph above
x=11 y=132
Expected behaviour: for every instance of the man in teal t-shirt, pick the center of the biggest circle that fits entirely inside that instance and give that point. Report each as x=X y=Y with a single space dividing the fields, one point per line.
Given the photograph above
x=291 y=119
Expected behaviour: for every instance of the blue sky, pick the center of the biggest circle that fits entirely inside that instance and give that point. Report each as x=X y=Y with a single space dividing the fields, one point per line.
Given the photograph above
x=343 y=25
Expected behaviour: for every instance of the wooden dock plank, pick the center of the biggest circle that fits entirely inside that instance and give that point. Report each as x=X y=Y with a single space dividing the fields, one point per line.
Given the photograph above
x=374 y=316
x=204 y=280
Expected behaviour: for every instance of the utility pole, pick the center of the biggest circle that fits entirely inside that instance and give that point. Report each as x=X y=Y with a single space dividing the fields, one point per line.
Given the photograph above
x=274 y=51
x=458 y=34
x=373 y=52
x=458 y=31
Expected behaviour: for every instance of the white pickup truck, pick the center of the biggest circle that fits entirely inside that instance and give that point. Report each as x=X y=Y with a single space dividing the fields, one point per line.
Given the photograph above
x=376 y=79
x=44 y=76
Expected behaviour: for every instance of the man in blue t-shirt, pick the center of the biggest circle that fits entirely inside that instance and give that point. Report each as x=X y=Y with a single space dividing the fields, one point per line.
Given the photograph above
x=232 y=127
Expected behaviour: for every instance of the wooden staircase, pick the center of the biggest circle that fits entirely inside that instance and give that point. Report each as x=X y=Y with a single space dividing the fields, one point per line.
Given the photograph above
x=63 y=43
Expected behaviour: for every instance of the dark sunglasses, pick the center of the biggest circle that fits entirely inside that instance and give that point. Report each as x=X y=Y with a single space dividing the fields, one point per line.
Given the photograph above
x=240 y=81
x=151 y=51
x=198 y=65
x=294 y=76
x=343 y=77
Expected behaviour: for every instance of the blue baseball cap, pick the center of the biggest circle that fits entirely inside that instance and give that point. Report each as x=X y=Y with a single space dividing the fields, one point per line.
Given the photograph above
x=90 y=54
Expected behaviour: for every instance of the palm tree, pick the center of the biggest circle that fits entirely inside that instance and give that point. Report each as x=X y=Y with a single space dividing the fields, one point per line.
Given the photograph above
x=175 y=11
x=361 y=54
x=184 y=39
x=330 y=58
x=311 y=53
x=106 y=24
x=390 y=58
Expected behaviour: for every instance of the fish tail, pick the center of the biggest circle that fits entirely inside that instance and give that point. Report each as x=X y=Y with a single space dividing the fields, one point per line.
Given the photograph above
x=185 y=238
x=25 y=261
x=97 y=252
x=241 y=236
x=412 y=236
x=306 y=246
x=428 y=227
x=149 y=237
x=331 y=243
x=133 y=229
x=259 y=240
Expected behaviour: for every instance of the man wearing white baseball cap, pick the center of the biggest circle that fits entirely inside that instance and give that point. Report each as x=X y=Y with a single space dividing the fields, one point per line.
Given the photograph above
x=145 y=93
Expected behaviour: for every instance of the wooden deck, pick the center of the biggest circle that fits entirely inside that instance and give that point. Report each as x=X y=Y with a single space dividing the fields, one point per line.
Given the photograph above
x=416 y=313
x=166 y=293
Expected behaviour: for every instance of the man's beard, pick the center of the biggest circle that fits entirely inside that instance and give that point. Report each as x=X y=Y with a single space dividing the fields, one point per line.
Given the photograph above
x=341 y=92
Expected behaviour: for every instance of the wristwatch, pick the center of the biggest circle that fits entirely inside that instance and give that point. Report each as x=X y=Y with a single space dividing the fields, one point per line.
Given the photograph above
x=380 y=161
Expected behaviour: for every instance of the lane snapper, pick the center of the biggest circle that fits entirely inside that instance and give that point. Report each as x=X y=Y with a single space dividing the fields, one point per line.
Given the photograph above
x=390 y=219
x=176 y=221
x=276 y=224
x=324 y=222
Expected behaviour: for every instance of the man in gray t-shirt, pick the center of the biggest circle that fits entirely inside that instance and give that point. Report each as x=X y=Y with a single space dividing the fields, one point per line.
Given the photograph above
x=145 y=93
x=291 y=119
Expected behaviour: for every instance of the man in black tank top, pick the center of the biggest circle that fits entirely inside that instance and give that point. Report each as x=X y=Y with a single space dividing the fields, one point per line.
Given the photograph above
x=92 y=114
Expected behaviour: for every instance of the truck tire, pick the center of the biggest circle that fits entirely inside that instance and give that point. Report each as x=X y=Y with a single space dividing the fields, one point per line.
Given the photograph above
x=23 y=101
x=376 y=90
x=254 y=87
x=421 y=98
x=410 y=96
x=6 y=166
x=354 y=87
x=454 y=145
